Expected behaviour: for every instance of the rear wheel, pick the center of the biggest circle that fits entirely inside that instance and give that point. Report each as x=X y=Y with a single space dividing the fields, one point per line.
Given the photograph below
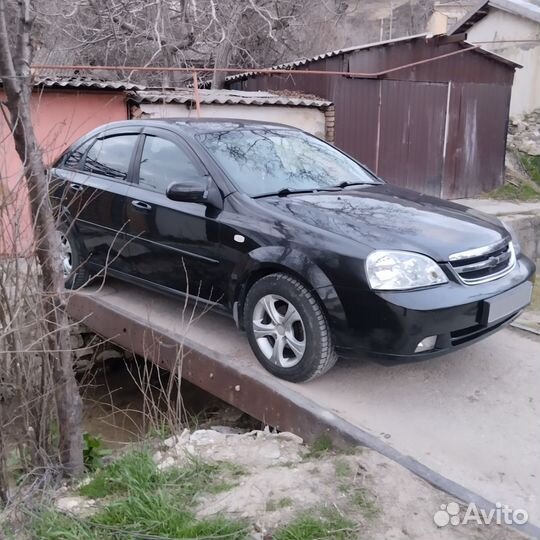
x=287 y=329
x=75 y=274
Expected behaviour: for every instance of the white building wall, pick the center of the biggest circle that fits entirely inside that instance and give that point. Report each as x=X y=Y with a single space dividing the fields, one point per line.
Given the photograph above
x=309 y=119
x=500 y=25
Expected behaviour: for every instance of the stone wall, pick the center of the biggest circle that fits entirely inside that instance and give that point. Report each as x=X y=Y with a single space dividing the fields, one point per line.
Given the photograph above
x=524 y=134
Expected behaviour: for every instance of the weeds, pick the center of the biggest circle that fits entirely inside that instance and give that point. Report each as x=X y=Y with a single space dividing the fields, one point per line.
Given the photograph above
x=526 y=188
x=519 y=192
x=136 y=471
x=133 y=471
x=364 y=500
x=326 y=524
x=273 y=506
x=93 y=452
x=151 y=502
x=532 y=165
x=136 y=518
x=342 y=468
x=321 y=446
x=164 y=514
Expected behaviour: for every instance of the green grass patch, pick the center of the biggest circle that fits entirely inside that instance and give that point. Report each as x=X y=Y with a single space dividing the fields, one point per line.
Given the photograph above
x=93 y=451
x=162 y=514
x=148 y=502
x=53 y=525
x=532 y=165
x=321 y=446
x=363 y=499
x=522 y=191
x=137 y=471
x=280 y=504
x=509 y=192
x=326 y=524
x=137 y=517
x=342 y=468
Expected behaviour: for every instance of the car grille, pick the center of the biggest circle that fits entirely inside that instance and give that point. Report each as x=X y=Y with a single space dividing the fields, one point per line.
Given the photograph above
x=484 y=264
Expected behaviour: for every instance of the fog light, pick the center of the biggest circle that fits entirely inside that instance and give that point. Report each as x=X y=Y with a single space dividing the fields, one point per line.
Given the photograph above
x=426 y=344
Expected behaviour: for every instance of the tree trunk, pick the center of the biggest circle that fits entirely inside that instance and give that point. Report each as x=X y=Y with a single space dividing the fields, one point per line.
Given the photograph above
x=224 y=49
x=223 y=54
x=15 y=59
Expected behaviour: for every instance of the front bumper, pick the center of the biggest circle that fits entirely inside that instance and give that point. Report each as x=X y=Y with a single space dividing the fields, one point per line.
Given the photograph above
x=393 y=323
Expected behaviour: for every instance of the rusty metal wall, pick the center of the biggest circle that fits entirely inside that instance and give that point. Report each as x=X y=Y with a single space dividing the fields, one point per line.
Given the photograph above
x=398 y=125
x=472 y=66
x=357 y=124
x=412 y=134
x=477 y=127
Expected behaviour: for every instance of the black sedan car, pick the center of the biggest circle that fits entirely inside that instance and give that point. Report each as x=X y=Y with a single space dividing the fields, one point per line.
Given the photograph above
x=311 y=253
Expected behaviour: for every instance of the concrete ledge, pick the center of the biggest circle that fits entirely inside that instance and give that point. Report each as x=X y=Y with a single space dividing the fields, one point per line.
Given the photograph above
x=523 y=216
x=527 y=227
x=434 y=418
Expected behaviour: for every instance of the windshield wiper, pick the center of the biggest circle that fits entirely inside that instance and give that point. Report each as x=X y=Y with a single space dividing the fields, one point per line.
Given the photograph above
x=287 y=191
x=347 y=184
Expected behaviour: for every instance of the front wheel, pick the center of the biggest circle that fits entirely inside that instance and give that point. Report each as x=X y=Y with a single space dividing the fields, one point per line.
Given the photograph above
x=287 y=329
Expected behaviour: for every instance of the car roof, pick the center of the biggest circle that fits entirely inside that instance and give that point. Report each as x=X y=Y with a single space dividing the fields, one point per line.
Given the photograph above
x=198 y=125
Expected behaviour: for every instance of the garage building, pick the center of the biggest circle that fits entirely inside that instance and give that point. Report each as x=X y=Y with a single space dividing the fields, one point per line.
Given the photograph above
x=424 y=112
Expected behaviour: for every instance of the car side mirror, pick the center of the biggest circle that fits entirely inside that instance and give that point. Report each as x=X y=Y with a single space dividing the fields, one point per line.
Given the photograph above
x=189 y=191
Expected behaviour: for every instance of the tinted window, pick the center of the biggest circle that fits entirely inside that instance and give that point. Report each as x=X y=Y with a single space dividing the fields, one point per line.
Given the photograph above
x=111 y=156
x=73 y=159
x=163 y=162
x=264 y=161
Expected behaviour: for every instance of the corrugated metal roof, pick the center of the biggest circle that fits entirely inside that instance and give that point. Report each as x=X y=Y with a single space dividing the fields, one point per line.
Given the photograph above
x=521 y=8
x=227 y=97
x=407 y=39
x=330 y=54
x=85 y=82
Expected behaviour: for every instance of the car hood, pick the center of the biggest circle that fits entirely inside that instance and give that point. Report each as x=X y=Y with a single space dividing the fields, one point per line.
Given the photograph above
x=385 y=217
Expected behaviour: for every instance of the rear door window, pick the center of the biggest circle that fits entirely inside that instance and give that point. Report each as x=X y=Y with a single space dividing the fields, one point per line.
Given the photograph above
x=111 y=156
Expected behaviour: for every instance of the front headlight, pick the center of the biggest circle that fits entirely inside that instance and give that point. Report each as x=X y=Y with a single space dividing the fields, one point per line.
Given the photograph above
x=401 y=270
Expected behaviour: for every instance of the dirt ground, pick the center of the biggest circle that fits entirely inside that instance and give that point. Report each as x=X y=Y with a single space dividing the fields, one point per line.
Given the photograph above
x=282 y=478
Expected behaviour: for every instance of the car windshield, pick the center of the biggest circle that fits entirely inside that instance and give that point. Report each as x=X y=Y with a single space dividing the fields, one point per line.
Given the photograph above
x=262 y=161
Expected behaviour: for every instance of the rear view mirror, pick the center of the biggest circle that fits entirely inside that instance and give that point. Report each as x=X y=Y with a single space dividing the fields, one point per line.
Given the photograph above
x=189 y=191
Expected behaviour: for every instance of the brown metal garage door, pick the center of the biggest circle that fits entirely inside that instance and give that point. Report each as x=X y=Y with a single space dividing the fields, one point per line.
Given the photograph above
x=412 y=134
x=477 y=139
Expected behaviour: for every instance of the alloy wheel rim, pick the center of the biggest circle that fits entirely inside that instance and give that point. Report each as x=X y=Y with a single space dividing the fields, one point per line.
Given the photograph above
x=279 y=330
x=67 y=255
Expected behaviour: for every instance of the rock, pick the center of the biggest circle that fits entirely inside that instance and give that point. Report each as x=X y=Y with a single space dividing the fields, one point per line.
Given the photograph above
x=75 y=505
x=524 y=133
x=176 y=440
x=85 y=481
x=226 y=430
x=157 y=457
x=204 y=437
x=531 y=147
x=288 y=436
x=167 y=463
x=270 y=451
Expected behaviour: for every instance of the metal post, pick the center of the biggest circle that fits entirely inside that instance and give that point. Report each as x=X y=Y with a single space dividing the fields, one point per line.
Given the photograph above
x=196 y=92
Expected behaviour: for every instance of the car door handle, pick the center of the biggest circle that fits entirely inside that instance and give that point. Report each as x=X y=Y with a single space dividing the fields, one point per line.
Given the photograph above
x=140 y=205
x=75 y=187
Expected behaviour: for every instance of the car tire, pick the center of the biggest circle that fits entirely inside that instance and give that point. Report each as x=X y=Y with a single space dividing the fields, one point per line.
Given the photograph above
x=287 y=328
x=73 y=263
